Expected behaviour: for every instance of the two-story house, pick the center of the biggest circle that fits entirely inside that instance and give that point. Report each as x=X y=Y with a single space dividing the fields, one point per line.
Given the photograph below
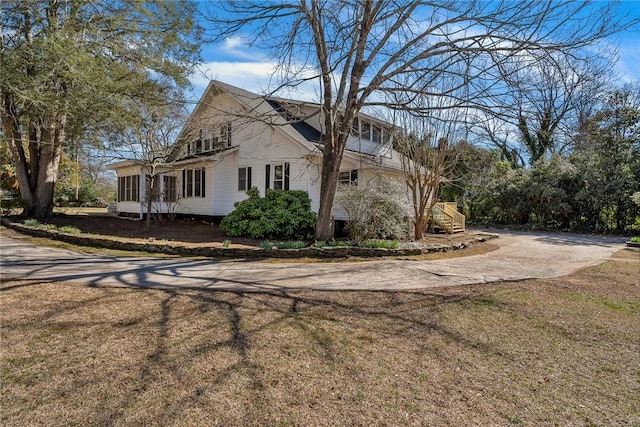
x=234 y=140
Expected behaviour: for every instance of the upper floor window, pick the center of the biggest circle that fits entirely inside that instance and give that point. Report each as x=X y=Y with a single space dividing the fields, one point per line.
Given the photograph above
x=367 y=130
x=213 y=139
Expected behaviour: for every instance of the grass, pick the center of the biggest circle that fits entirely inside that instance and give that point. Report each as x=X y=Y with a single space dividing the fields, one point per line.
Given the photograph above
x=65 y=229
x=291 y=245
x=267 y=245
x=371 y=243
x=540 y=352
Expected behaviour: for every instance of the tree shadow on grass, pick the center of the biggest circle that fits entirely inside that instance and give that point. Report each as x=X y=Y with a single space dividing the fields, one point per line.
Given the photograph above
x=230 y=330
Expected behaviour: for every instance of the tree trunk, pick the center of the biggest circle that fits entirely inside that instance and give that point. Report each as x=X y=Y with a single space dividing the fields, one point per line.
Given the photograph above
x=328 y=186
x=48 y=163
x=149 y=185
x=37 y=174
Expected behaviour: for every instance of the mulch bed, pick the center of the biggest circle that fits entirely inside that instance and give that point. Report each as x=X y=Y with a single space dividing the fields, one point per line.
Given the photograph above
x=190 y=231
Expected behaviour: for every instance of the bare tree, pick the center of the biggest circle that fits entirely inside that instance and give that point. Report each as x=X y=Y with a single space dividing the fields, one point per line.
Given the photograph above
x=428 y=157
x=364 y=51
x=149 y=143
x=540 y=102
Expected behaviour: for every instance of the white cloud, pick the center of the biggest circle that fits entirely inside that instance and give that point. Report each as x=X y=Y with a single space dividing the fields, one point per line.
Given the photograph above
x=256 y=77
x=627 y=65
x=233 y=42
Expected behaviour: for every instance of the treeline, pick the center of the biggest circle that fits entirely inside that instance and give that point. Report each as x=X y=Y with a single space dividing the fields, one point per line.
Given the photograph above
x=592 y=187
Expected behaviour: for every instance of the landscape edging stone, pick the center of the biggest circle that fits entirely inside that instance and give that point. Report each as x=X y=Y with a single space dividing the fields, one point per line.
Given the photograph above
x=222 y=252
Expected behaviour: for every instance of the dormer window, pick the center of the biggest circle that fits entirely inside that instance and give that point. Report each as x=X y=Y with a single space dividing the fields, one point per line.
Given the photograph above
x=367 y=131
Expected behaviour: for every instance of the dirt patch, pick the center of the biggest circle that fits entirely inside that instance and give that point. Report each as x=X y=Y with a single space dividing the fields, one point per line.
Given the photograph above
x=540 y=352
x=191 y=232
x=628 y=253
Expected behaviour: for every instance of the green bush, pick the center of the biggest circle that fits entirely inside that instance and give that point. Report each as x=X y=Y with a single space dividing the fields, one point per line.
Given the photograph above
x=291 y=245
x=378 y=244
x=32 y=223
x=635 y=239
x=266 y=245
x=333 y=243
x=278 y=215
x=370 y=243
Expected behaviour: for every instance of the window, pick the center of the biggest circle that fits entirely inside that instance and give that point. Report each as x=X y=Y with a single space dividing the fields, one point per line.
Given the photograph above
x=225 y=134
x=129 y=188
x=376 y=134
x=153 y=188
x=212 y=139
x=348 y=177
x=367 y=130
x=170 y=193
x=193 y=182
x=355 y=128
x=244 y=179
x=280 y=178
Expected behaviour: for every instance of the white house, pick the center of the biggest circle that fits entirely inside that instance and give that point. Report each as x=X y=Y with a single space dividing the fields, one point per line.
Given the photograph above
x=235 y=139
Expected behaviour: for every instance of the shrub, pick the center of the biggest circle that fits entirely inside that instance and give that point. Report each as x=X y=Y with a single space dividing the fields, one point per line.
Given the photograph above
x=226 y=243
x=379 y=244
x=266 y=245
x=333 y=244
x=280 y=214
x=291 y=245
x=635 y=239
x=379 y=209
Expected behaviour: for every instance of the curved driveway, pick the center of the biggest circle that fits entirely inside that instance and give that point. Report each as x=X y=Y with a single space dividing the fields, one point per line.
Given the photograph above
x=520 y=256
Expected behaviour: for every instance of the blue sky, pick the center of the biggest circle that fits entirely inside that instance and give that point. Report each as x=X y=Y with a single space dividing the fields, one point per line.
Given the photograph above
x=233 y=62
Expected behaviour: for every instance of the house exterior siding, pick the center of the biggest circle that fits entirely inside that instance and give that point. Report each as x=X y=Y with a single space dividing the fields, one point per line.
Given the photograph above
x=254 y=143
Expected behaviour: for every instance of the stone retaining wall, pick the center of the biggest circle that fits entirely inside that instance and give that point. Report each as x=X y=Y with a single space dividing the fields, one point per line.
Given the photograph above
x=222 y=252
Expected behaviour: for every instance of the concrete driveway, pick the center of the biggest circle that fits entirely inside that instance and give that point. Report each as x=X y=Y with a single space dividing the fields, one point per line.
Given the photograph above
x=520 y=256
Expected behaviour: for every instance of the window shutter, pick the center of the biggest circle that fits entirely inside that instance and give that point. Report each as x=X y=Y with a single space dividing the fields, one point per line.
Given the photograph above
x=248 y=178
x=267 y=179
x=202 y=181
x=286 y=176
x=184 y=183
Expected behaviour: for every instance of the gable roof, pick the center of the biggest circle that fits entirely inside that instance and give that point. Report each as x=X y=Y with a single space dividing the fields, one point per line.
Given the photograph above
x=286 y=115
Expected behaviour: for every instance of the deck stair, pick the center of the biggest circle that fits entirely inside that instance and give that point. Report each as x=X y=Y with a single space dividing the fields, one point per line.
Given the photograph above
x=446 y=216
